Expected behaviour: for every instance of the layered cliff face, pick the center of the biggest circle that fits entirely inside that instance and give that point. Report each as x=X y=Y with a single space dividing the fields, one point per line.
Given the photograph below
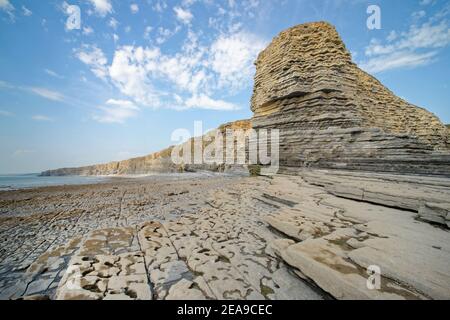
x=156 y=162
x=331 y=114
x=159 y=162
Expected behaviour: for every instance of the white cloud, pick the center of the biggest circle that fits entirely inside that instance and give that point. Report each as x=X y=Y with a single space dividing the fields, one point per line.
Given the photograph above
x=204 y=73
x=130 y=72
x=117 y=111
x=134 y=8
x=48 y=94
x=134 y=71
x=102 y=7
x=26 y=12
x=232 y=58
x=95 y=58
x=184 y=15
x=41 y=118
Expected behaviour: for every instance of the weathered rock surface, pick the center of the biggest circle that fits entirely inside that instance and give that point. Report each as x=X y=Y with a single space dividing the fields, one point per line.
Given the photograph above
x=219 y=238
x=152 y=238
x=331 y=114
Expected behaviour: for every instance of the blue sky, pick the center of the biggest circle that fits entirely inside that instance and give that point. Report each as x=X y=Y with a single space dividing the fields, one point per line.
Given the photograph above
x=137 y=70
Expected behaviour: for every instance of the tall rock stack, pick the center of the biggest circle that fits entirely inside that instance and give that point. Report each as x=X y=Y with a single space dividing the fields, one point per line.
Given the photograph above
x=331 y=114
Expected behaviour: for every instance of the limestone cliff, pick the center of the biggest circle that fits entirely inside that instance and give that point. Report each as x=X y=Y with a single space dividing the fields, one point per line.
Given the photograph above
x=331 y=114
x=159 y=162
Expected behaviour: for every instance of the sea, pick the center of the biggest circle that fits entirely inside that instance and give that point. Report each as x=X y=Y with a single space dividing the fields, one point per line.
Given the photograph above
x=33 y=180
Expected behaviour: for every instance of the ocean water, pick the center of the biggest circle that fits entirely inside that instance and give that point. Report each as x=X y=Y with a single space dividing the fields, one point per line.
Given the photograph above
x=26 y=181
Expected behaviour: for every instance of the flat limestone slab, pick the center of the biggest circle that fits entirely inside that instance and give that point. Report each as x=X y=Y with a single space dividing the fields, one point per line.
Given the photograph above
x=334 y=240
x=429 y=196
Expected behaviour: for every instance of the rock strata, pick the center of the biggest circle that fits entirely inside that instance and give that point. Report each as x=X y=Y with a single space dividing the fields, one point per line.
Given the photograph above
x=331 y=114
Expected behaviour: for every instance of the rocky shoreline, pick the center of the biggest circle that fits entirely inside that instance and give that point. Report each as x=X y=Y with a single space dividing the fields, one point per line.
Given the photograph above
x=224 y=237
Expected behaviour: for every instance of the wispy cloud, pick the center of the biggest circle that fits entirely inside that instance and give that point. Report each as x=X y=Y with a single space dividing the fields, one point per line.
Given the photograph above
x=5 y=113
x=40 y=91
x=94 y=57
x=47 y=94
x=6 y=85
x=26 y=12
x=396 y=60
x=418 y=46
x=53 y=74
